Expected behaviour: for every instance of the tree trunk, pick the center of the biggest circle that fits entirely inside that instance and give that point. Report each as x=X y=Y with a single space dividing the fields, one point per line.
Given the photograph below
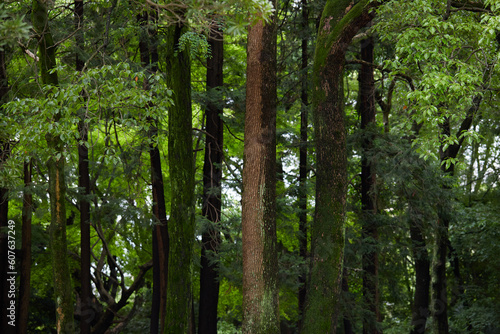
x=24 y=284
x=212 y=177
x=260 y=263
x=339 y=23
x=420 y=307
x=345 y=288
x=180 y=156
x=4 y=208
x=160 y=238
x=57 y=186
x=439 y=284
x=302 y=198
x=369 y=230
x=87 y=312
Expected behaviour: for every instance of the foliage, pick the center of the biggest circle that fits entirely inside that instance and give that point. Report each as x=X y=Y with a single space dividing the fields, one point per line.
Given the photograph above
x=431 y=65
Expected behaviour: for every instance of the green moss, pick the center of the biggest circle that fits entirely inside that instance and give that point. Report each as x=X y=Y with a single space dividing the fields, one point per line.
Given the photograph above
x=180 y=155
x=57 y=187
x=339 y=22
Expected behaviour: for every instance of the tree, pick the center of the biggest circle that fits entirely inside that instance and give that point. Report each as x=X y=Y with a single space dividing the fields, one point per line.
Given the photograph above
x=57 y=183
x=340 y=21
x=260 y=281
x=303 y=168
x=25 y=284
x=212 y=183
x=180 y=156
x=4 y=199
x=369 y=231
x=84 y=184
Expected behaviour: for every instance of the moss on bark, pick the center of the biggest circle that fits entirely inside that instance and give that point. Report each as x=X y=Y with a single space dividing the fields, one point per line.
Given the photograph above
x=180 y=155
x=57 y=186
x=340 y=20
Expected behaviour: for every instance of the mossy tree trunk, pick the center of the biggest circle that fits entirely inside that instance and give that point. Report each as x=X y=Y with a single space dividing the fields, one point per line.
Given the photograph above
x=212 y=182
x=181 y=166
x=57 y=185
x=303 y=170
x=369 y=228
x=260 y=264
x=4 y=203
x=340 y=21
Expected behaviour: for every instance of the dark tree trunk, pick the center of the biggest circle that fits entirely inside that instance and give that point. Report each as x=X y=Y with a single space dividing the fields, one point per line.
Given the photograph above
x=345 y=288
x=420 y=307
x=181 y=166
x=24 y=284
x=87 y=313
x=160 y=240
x=302 y=198
x=369 y=229
x=212 y=177
x=57 y=184
x=149 y=58
x=340 y=21
x=260 y=263
x=4 y=206
x=439 y=285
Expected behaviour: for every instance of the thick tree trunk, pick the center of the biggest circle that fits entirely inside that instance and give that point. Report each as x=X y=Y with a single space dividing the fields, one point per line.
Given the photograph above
x=260 y=263
x=87 y=313
x=369 y=229
x=57 y=185
x=302 y=198
x=339 y=23
x=4 y=207
x=212 y=177
x=24 y=284
x=180 y=156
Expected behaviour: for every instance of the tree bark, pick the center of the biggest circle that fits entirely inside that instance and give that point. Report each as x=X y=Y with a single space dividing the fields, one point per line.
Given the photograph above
x=260 y=263
x=420 y=307
x=160 y=237
x=180 y=156
x=302 y=198
x=439 y=284
x=4 y=206
x=24 y=284
x=339 y=23
x=212 y=177
x=369 y=230
x=57 y=185
x=87 y=312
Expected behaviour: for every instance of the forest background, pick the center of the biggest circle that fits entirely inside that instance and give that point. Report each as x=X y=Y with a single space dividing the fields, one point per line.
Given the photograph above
x=255 y=166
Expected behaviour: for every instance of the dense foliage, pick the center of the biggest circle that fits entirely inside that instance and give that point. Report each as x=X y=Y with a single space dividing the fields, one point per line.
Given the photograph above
x=431 y=147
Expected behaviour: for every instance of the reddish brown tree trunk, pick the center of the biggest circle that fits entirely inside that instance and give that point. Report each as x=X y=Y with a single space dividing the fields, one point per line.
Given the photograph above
x=260 y=264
